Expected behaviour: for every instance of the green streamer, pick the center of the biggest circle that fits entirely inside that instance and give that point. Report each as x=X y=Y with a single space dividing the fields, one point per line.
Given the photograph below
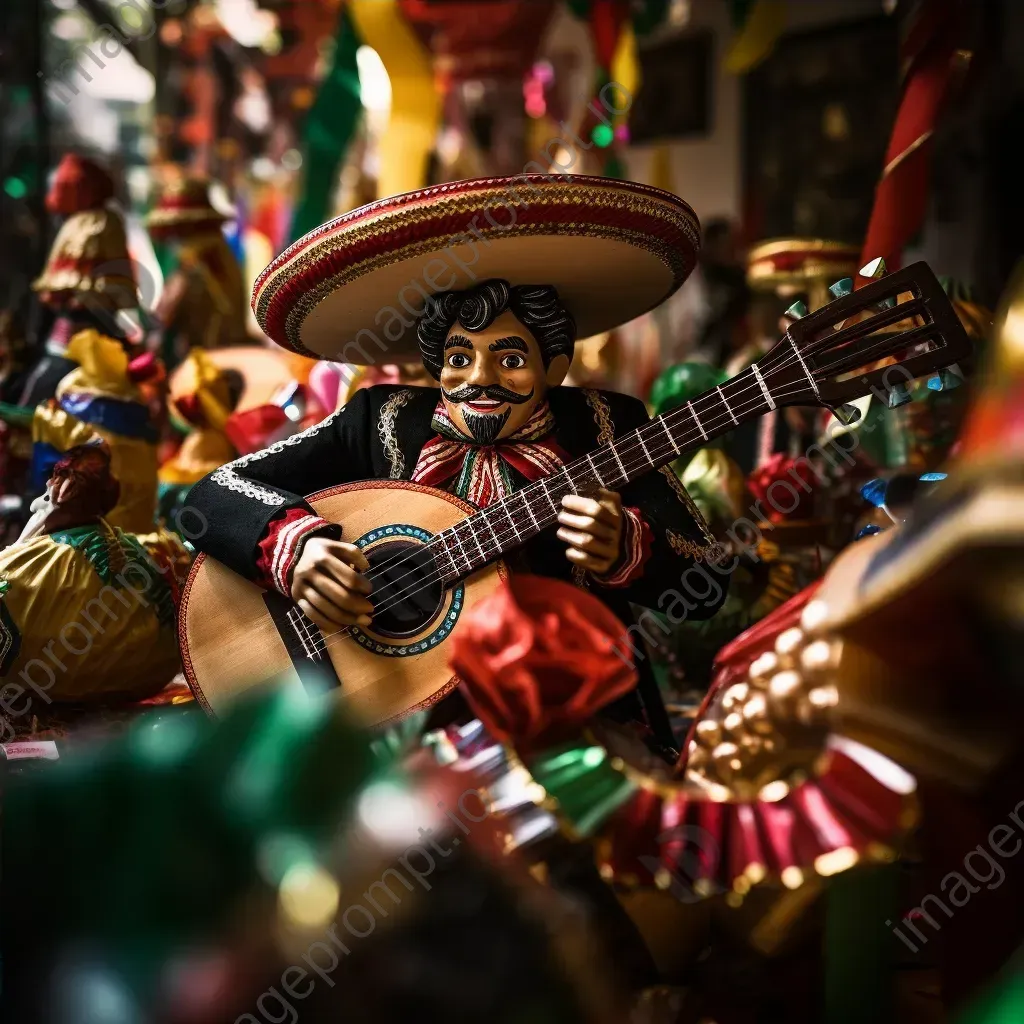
x=587 y=788
x=328 y=130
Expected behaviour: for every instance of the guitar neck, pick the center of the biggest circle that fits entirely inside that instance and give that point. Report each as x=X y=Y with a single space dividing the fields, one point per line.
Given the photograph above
x=485 y=536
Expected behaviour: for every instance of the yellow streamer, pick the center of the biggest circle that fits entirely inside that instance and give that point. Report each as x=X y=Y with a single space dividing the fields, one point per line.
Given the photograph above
x=661 y=168
x=758 y=36
x=625 y=69
x=415 y=103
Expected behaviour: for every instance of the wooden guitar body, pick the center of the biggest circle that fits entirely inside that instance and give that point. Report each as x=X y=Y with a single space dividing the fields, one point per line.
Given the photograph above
x=231 y=643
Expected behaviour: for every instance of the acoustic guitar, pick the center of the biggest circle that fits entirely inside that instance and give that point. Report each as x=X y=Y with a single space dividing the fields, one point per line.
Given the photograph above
x=434 y=556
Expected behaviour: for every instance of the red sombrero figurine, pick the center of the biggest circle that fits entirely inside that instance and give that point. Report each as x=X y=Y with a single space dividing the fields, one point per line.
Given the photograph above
x=490 y=282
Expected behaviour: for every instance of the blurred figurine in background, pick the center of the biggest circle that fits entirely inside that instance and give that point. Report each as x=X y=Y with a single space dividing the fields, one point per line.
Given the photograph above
x=202 y=412
x=104 y=396
x=88 y=279
x=203 y=303
x=764 y=574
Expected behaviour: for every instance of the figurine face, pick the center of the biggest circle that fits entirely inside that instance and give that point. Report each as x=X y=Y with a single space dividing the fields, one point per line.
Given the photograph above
x=492 y=380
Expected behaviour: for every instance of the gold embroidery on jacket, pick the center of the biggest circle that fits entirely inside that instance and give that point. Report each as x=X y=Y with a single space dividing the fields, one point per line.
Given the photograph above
x=388 y=437
x=580 y=577
x=684 y=546
x=602 y=416
x=676 y=484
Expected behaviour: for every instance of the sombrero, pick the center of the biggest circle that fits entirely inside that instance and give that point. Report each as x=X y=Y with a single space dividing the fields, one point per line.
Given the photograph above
x=186 y=204
x=788 y=266
x=352 y=289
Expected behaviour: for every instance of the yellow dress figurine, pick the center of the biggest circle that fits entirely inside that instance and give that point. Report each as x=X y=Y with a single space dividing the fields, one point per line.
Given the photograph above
x=203 y=411
x=100 y=399
x=203 y=302
x=88 y=611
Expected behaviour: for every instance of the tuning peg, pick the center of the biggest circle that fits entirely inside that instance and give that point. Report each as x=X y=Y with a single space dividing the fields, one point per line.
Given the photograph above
x=874 y=270
x=841 y=288
x=867 y=531
x=873 y=492
x=899 y=395
x=796 y=311
x=945 y=380
x=846 y=414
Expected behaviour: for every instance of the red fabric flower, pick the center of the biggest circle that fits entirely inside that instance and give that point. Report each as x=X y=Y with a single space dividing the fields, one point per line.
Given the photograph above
x=249 y=431
x=538 y=659
x=786 y=486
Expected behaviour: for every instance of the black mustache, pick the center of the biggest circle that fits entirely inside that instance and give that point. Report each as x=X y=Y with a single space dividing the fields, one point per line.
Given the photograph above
x=471 y=392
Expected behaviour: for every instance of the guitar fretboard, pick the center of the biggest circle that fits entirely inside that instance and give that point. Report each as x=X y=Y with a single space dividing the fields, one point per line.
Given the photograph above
x=485 y=536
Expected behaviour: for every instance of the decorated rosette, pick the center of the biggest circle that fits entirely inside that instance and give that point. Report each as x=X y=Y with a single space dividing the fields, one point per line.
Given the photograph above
x=787 y=803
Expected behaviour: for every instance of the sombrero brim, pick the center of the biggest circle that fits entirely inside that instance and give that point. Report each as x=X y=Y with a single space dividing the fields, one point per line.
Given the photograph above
x=353 y=288
x=795 y=261
x=160 y=218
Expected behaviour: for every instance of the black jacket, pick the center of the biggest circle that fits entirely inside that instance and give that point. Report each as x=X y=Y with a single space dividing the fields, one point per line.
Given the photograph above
x=379 y=434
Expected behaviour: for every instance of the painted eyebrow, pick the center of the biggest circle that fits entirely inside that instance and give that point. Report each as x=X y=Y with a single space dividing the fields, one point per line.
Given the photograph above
x=458 y=341
x=513 y=341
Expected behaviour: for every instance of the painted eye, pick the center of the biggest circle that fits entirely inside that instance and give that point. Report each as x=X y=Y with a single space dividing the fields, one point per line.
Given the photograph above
x=458 y=360
x=513 y=361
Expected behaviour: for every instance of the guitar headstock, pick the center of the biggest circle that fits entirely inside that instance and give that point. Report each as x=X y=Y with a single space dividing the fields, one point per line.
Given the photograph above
x=831 y=356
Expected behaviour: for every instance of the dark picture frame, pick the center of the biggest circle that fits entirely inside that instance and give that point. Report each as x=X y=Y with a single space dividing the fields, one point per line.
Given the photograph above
x=817 y=117
x=674 y=100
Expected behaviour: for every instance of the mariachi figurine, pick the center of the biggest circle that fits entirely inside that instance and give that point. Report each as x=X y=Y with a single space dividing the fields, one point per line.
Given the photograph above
x=88 y=610
x=498 y=338
x=203 y=301
x=88 y=278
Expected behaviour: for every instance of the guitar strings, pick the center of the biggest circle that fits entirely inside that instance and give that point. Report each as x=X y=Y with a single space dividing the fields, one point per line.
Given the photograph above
x=431 y=580
x=506 y=536
x=787 y=360
x=767 y=365
x=630 y=449
x=326 y=639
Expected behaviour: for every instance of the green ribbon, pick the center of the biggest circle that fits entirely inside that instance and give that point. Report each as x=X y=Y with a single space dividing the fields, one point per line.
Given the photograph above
x=588 y=790
x=328 y=130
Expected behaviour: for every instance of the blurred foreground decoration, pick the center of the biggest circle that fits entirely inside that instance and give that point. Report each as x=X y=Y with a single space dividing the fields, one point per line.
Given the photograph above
x=235 y=870
x=900 y=623
x=761 y=813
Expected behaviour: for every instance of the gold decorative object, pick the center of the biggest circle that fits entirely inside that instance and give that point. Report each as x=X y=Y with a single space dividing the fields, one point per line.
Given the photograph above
x=792 y=266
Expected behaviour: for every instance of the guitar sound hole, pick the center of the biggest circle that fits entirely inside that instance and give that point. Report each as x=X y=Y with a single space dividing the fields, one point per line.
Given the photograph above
x=406 y=591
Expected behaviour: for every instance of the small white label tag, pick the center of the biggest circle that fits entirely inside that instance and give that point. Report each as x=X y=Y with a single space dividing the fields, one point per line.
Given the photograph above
x=45 y=749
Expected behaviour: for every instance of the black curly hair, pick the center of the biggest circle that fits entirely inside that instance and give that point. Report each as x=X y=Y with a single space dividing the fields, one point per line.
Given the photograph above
x=535 y=306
